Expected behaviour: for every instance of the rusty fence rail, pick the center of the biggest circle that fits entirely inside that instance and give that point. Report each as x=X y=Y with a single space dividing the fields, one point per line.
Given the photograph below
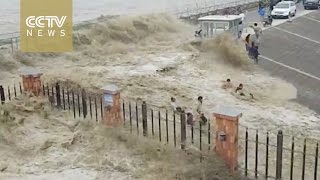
x=264 y=155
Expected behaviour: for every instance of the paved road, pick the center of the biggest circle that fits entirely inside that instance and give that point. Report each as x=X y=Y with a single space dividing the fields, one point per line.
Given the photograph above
x=295 y=48
x=291 y=51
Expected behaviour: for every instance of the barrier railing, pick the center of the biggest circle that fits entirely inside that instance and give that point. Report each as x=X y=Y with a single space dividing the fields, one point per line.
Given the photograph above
x=261 y=154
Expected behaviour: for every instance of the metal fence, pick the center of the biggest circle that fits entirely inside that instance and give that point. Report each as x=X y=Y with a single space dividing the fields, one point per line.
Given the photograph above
x=229 y=7
x=265 y=155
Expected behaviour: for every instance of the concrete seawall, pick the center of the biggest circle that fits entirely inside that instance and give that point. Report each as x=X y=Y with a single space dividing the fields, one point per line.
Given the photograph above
x=232 y=9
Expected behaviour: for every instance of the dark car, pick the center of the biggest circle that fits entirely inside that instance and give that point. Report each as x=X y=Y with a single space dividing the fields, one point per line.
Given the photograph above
x=311 y=4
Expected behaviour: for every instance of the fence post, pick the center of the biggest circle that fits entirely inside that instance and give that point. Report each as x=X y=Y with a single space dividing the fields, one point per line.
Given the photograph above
x=246 y=153
x=174 y=129
x=304 y=159
x=183 y=130
x=68 y=98
x=227 y=135
x=256 y=155
x=137 y=117
x=31 y=80
x=44 y=90
x=20 y=88
x=90 y=106
x=58 y=95
x=2 y=96
x=167 y=127
x=111 y=106
x=15 y=90
x=73 y=105
x=267 y=156
x=84 y=103
x=144 y=119
x=279 y=155
x=124 y=113
x=52 y=91
x=152 y=123
x=96 y=107
x=63 y=99
x=78 y=100
x=130 y=116
x=292 y=159
x=316 y=162
x=159 y=116
x=9 y=93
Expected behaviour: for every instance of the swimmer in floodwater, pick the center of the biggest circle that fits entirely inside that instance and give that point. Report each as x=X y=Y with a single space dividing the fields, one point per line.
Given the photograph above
x=198 y=33
x=174 y=105
x=227 y=84
x=240 y=91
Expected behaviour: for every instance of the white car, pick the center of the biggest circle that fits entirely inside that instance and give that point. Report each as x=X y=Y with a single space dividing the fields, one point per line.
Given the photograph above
x=284 y=9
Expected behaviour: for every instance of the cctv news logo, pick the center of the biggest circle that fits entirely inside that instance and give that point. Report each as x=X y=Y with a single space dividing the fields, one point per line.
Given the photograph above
x=46 y=26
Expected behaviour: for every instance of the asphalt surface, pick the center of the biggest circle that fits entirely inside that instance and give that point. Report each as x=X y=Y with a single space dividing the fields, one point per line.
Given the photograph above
x=296 y=46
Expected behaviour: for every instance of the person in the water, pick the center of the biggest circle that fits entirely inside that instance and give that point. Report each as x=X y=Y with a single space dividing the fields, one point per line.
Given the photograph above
x=239 y=90
x=227 y=84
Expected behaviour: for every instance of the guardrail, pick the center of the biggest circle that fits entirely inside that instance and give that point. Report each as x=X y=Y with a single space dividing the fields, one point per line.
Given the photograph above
x=208 y=8
x=267 y=155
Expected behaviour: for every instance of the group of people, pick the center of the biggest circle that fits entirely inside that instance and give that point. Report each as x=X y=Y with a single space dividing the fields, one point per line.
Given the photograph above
x=199 y=111
x=252 y=42
x=238 y=90
x=190 y=119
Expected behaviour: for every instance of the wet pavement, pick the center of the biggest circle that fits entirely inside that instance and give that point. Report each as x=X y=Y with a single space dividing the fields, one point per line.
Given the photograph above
x=292 y=51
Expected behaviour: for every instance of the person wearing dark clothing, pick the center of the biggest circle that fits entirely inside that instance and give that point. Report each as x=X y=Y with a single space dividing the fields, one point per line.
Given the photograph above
x=189 y=119
x=240 y=91
x=253 y=52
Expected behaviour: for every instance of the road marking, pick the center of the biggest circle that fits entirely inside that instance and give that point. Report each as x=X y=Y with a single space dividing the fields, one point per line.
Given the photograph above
x=298 y=35
x=310 y=18
x=291 y=68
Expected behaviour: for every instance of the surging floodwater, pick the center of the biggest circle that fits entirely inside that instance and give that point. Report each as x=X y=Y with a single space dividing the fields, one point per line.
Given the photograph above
x=129 y=50
x=87 y=10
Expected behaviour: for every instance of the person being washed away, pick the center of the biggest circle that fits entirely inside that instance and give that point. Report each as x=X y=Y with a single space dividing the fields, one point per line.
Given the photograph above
x=203 y=119
x=174 y=105
x=227 y=84
x=240 y=91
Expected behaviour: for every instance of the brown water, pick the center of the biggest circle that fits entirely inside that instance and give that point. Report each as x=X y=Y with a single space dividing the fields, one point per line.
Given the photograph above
x=128 y=51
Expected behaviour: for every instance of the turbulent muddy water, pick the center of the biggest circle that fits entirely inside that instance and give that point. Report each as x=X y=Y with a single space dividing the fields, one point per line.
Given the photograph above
x=129 y=50
x=87 y=10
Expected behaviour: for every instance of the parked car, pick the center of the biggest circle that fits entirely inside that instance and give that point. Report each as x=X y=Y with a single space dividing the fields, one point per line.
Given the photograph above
x=284 y=9
x=311 y=4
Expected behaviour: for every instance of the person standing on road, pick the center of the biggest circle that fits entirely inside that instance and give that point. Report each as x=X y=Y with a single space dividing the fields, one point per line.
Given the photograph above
x=253 y=52
x=257 y=30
